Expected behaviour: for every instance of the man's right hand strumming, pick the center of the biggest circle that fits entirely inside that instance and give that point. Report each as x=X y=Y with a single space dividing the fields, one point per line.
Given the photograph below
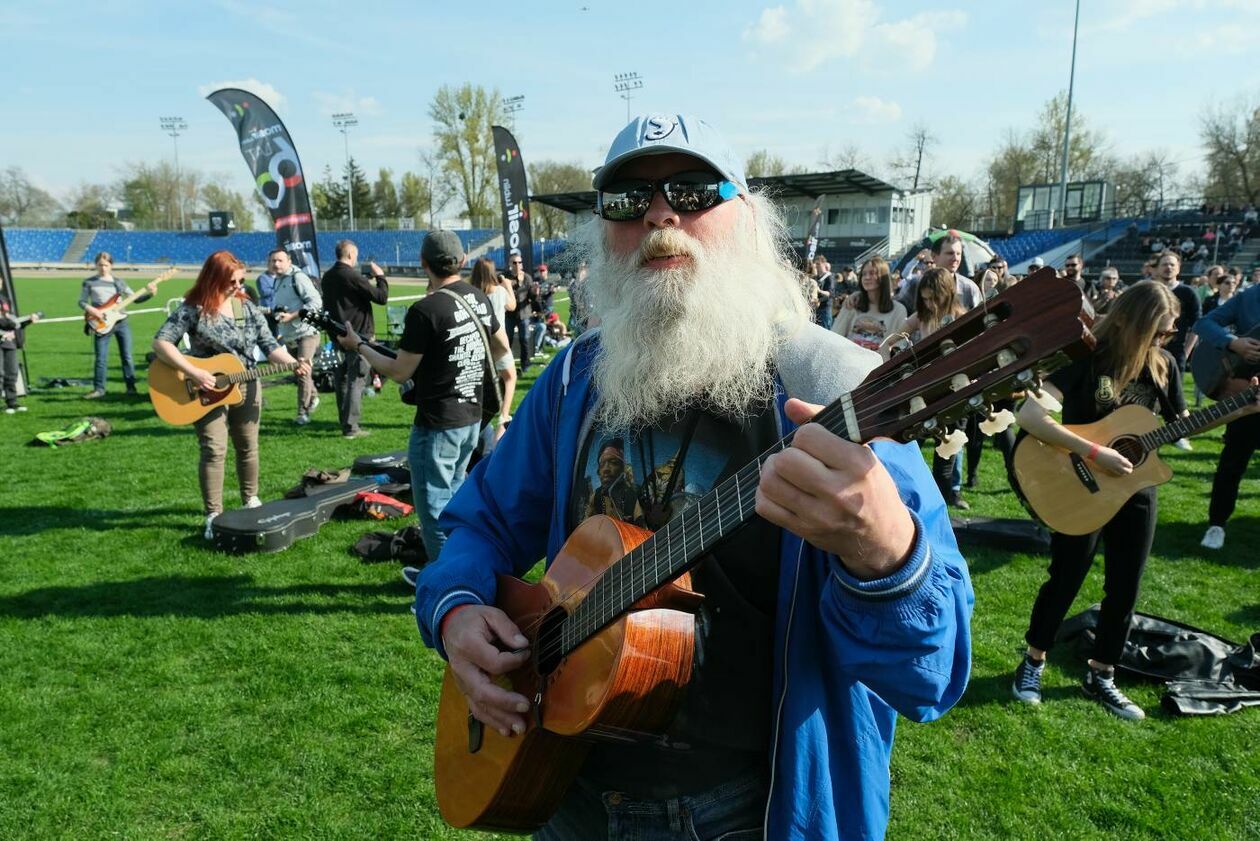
x=482 y=643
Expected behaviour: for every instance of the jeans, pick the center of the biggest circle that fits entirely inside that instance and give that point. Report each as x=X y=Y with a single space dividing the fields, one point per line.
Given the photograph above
x=1127 y=540
x=348 y=380
x=438 y=459
x=537 y=330
x=123 y=332
x=733 y=811
x=824 y=317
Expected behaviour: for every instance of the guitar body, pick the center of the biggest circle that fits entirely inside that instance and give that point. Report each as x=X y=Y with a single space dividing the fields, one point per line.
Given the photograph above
x=179 y=402
x=111 y=314
x=623 y=683
x=1213 y=368
x=1074 y=496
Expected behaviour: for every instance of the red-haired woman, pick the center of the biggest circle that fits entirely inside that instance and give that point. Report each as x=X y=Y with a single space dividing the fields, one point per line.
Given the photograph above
x=218 y=318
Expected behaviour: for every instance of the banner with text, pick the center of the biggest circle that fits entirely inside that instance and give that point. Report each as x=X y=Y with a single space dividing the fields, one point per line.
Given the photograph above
x=514 y=198
x=273 y=161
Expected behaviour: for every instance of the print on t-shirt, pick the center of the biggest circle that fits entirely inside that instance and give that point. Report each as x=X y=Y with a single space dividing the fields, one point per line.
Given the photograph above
x=470 y=352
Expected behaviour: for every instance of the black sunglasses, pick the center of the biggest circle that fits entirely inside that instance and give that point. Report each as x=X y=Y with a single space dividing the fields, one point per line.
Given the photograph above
x=687 y=192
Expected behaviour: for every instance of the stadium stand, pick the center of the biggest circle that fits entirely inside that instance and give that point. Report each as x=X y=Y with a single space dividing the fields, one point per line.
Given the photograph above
x=543 y=253
x=37 y=245
x=1139 y=243
x=1028 y=244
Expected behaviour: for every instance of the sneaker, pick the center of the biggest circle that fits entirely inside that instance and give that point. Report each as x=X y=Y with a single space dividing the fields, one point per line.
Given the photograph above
x=1183 y=444
x=310 y=410
x=956 y=501
x=1027 y=685
x=10 y=411
x=356 y=433
x=302 y=419
x=971 y=481
x=410 y=574
x=209 y=533
x=253 y=502
x=1213 y=538
x=1102 y=688
x=94 y=394
x=131 y=388
x=20 y=408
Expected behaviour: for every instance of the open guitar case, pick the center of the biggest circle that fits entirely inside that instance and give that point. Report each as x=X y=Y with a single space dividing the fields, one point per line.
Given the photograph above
x=275 y=526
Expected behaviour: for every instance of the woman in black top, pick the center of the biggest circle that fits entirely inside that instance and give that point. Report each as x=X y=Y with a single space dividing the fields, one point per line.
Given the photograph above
x=1129 y=366
x=218 y=318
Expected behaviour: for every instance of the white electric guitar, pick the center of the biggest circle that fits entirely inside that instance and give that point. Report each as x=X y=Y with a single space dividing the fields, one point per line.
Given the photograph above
x=115 y=309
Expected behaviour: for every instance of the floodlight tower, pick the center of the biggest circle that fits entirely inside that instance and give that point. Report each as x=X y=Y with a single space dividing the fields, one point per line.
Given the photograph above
x=344 y=122
x=173 y=126
x=511 y=105
x=623 y=84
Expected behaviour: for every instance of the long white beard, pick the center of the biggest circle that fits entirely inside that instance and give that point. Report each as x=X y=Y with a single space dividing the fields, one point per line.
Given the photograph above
x=705 y=333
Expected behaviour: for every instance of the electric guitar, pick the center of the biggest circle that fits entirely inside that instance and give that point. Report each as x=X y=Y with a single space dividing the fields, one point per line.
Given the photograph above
x=1213 y=368
x=180 y=401
x=1073 y=496
x=115 y=309
x=323 y=320
x=22 y=321
x=610 y=625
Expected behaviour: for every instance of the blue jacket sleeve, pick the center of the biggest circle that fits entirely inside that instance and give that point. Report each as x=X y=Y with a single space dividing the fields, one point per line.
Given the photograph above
x=498 y=521
x=1213 y=327
x=907 y=637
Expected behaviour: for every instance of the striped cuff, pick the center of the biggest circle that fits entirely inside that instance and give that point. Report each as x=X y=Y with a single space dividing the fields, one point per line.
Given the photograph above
x=891 y=588
x=445 y=605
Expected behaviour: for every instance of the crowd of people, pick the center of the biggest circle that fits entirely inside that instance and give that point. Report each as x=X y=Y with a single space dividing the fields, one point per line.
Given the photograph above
x=845 y=603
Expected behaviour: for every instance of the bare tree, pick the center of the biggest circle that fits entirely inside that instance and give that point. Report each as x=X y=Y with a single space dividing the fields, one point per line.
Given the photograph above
x=1231 y=138
x=908 y=165
x=22 y=203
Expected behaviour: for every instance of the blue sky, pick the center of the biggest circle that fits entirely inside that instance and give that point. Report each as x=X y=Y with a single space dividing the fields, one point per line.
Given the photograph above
x=86 y=83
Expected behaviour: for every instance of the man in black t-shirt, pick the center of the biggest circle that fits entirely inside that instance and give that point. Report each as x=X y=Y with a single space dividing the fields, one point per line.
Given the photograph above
x=443 y=353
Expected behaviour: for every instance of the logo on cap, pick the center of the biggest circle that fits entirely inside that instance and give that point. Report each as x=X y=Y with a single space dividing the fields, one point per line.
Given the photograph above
x=659 y=128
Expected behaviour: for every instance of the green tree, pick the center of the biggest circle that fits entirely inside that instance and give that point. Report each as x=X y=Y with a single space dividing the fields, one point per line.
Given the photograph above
x=328 y=198
x=154 y=193
x=1231 y=139
x=462 y=120
x=954 y=203
x=385 y=195
x=547 y=177
x=364 y=203
x=89 y=207
x=762 y=163
x=217 y=197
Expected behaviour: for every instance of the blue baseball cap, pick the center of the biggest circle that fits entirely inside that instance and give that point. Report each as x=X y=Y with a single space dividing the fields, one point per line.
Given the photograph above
x=659 y=134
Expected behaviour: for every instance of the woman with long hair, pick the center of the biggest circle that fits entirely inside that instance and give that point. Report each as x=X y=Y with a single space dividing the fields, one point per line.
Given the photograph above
x=498 y=289
x=1129 y=366
x=217 y=317
x=874 y=315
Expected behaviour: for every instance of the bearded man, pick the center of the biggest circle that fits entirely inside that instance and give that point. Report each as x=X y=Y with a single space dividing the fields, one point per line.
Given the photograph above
x=836 y=608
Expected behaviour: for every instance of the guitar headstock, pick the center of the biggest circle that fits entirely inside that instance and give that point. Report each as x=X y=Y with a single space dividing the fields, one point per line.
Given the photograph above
x=323 y=320
x=1006 y=344
x=166 y=275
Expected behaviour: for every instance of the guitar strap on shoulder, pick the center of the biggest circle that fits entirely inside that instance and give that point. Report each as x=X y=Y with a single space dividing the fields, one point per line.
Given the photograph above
x=238 y=313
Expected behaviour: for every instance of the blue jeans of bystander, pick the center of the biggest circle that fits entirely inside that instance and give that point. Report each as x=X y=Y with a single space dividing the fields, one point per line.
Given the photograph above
x=439 y=463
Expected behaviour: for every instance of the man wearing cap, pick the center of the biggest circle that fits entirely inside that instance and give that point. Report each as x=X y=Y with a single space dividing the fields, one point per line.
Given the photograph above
x=442 y=352
x=348 y=297
x=835 y=609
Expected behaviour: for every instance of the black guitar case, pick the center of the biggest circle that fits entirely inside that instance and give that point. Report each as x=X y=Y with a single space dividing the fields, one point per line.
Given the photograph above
x=1001 y=533
x=394 y=464
x=274 y=526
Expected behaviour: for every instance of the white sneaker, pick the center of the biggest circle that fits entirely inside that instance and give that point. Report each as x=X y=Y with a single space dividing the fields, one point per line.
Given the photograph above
x=209 y=533
x=1214 y=538
x=302 y=419
x=10 y=411
x=253 y=502
x=314 y=405
x=1183 y=444
x=21 y=408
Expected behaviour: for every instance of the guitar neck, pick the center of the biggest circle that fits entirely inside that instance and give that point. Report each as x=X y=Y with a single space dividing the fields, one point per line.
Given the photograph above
x=251 y=374
x=684 y=540
x=1196 y=422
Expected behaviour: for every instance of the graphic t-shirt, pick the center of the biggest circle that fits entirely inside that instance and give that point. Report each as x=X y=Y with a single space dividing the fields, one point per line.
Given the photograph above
x=1089 y=392
x=648 y=477
x=453 y=357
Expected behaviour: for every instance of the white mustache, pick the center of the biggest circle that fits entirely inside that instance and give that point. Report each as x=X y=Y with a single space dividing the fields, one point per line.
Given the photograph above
x=666 y=242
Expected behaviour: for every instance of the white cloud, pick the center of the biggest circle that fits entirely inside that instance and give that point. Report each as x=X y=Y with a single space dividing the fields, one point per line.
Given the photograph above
x=876 y=110
x=267 y=93
x=815 y=32
x=347 y=101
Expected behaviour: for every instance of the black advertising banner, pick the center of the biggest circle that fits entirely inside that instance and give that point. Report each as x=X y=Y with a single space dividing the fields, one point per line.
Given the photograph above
x=268 y=149
x=513 y=198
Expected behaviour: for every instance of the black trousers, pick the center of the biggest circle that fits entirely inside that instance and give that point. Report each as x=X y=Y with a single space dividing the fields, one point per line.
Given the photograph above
x=519 y=327
x=1004 y=440
x=1127 y=540
x=1242 y=437
x=9 y=375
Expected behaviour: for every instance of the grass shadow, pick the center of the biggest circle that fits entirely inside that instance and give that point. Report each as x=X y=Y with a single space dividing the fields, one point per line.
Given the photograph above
x=29 y=520
x=1181 y=540
x=203 y=597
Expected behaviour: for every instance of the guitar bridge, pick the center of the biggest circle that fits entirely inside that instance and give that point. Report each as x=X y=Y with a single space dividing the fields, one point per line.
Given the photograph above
x=1083 y=473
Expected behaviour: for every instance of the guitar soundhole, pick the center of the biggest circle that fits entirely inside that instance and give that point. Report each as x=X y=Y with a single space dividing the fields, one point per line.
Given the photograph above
x=549 y=644
x=1129 y=447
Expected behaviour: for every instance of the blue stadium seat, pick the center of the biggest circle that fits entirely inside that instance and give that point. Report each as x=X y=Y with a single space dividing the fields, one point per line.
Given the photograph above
x=37 y=245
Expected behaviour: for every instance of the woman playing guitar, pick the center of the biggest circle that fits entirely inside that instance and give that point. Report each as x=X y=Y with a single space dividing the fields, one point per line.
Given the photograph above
x=1130 y=366
x=218 y=318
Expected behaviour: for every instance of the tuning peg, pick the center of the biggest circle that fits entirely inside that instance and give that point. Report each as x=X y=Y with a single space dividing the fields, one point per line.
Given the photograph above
x=997 y=422
x=1044 y=399
x=951 y=444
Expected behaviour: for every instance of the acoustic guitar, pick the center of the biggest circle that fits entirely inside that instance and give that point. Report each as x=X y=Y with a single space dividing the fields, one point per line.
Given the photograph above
x=1213 y=368
x=611 y=623
x=180 y=401
x=115 y=309
x=1074 y=496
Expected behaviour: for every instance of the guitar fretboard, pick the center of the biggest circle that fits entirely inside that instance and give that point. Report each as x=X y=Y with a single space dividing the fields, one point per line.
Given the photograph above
x=1195 y=422
x=260 y=371
x=682 y=541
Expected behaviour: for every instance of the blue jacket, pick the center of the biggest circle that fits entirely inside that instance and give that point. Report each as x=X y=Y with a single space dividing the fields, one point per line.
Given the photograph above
x=849 y=655
x=1241 y=312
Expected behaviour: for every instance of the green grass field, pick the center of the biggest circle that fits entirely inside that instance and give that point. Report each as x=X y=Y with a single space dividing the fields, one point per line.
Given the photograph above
x=152 y=688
